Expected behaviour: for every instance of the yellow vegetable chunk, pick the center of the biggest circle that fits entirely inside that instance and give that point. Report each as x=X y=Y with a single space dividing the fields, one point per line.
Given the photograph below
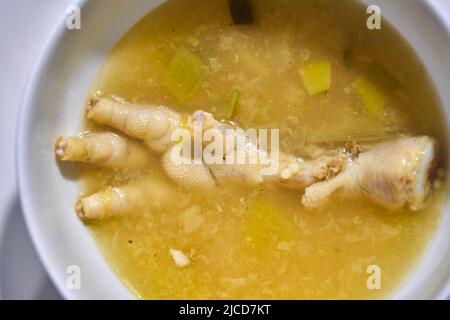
x=184 y=75
x=373 y=97
x=267 y=227
x=316 y=76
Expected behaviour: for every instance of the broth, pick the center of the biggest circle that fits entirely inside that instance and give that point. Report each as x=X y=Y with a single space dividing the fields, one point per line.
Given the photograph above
x=304 y=253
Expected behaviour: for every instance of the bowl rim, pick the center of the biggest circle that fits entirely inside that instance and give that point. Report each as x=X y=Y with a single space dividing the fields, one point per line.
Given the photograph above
x=444 y=22
x=22 y=130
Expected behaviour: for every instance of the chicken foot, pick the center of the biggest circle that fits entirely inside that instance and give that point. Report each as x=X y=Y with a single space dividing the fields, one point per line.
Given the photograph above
x=394 y=174
x=149 y=191
x=152 y=124
x=155 y=125
x=102 y=149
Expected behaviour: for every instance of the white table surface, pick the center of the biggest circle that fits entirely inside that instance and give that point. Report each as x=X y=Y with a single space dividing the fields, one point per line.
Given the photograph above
x=25 y=26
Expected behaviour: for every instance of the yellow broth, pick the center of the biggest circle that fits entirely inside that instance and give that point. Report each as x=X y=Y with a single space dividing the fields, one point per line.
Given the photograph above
x=262 y=243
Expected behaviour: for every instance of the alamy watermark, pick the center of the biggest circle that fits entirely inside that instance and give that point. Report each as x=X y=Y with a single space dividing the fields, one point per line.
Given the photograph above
x=73 y=20
x=221 y=145
x=374 y=280
x=73 y=280
x=374 y=20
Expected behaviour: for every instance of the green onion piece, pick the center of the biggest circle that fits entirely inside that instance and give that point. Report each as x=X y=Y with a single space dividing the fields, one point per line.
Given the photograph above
x=226 y=105
x=161 y=57
x=241 y=11
x=184 y=74
x=348 y=58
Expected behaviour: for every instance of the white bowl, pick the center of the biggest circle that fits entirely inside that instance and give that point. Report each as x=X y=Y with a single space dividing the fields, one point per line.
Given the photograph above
x=52 y=105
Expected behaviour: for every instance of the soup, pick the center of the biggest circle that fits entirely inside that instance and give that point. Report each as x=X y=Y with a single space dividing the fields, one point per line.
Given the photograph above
x=311 y=69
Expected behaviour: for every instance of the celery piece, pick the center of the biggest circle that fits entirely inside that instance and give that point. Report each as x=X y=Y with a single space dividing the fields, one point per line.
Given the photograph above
x=161 y=57
x=226 y=105
x=266 y=225
x=372 y=96
x=184 y=74
x=191 y=219
x=316 y=76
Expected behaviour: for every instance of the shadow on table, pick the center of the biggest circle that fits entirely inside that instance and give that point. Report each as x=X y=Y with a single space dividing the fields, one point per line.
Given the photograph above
x=22 y=275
